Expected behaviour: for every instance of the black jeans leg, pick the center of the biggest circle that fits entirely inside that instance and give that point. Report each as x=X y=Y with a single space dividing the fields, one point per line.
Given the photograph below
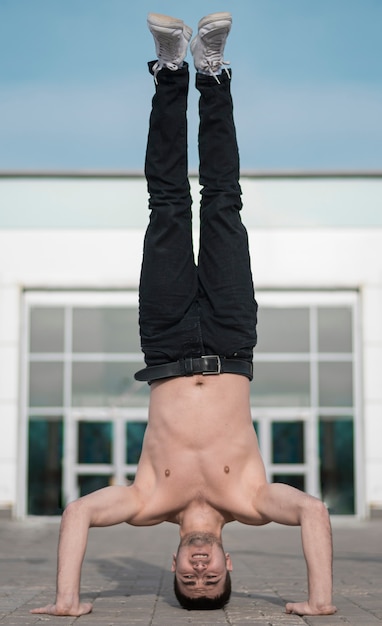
x=169 y=321
x=228 y=306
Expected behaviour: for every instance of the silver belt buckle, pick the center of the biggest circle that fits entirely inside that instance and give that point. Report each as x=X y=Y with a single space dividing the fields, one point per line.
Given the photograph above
x=218 y=364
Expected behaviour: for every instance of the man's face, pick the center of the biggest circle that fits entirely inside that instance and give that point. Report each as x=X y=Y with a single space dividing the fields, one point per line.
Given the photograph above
x=201 y=566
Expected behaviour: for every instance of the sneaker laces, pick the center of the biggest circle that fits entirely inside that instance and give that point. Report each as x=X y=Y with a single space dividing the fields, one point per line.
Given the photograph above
x=215 y=73
x=165 y=50
x=213 y=57
x=159 y=65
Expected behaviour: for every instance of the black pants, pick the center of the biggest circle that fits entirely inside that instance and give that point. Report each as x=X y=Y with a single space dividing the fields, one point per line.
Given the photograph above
x=185 y=309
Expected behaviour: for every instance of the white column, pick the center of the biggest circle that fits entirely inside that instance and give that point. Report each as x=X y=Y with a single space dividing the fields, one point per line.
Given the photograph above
x=372 y=362
x=9 y=390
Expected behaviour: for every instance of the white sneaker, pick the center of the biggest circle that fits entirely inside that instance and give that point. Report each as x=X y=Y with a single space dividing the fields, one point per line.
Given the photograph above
x=171 y=37
x=208 y=46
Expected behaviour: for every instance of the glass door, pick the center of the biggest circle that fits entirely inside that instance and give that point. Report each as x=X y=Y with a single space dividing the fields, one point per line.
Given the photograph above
x=289 y=448
x=306 y=394
x=102 y=447
x=83 y=414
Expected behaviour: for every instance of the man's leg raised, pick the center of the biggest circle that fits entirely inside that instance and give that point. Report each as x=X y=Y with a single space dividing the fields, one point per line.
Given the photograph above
x=227 y=295
x=168 y=278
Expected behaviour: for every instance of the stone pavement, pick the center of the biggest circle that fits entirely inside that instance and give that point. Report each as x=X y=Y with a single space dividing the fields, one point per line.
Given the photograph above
x=126 y=574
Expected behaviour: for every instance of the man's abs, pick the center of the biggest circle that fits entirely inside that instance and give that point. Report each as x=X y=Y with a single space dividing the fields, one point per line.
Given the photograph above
x=199 y=413
x=200 y=442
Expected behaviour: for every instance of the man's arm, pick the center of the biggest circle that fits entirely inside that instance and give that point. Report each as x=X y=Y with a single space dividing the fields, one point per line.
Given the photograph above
x=285 y=505
x=105 y=507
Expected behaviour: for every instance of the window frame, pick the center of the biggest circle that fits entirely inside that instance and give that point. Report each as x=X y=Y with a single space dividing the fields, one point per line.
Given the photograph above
x=264 y=416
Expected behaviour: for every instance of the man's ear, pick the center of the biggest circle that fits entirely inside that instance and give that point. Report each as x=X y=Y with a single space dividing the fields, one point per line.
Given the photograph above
x=173 y=564
x=228 y=562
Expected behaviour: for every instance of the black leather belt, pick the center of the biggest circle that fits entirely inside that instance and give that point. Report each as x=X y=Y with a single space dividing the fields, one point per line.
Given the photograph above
x=207 y=365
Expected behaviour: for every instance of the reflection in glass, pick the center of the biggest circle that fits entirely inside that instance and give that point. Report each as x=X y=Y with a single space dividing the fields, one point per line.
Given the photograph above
x=337 y=464
x=44 y=466
x=95 y=442
x=46 y=382
x=283 y=329
x=105 y=329
x=294 y=480
x=134 y=438
x=288 y=442
x=281 y=384
x=46 y=329
x=107 y=384
x=88 y=484
x=335 y=329
x=335 y=384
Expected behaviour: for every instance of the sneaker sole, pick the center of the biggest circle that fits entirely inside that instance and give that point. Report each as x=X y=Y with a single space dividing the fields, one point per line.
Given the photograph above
x=222 y=20
x=164 y=21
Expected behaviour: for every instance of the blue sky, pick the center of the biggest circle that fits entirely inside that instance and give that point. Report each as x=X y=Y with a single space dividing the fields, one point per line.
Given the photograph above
x=75 y=93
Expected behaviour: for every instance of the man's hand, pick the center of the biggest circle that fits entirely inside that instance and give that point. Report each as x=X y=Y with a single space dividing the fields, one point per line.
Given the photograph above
x=56 y=609
x=304 y=608
x=285 y=505
x=106 y=507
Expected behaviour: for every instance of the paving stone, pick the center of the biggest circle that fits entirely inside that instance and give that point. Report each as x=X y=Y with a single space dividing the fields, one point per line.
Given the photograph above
x=127 y=575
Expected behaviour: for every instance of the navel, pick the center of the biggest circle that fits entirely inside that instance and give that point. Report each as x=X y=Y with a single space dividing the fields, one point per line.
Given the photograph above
x=226 y=469
x=167 y=472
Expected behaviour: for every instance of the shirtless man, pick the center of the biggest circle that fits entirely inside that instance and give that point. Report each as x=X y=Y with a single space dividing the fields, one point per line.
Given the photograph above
x=200 y=465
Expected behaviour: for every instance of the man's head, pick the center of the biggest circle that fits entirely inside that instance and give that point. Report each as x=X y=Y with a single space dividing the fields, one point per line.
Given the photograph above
x=202 y=572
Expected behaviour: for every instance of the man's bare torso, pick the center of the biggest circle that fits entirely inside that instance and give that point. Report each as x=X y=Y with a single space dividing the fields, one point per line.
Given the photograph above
x=200 y=449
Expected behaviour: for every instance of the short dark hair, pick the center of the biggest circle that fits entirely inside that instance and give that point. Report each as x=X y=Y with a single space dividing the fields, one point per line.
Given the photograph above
x=204 y=603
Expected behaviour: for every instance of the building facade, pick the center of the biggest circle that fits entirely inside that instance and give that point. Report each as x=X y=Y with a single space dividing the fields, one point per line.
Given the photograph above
x=72 y=417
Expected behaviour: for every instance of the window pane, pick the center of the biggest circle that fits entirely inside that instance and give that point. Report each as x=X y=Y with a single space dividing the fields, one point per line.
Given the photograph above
x=283 y=330
x=88 y=484
x=134 y=438
x=46 y=329
x=95 y=442
x=106 y=384
x=337 y=465
x=105 y=330
x=44 y=467
x=335 y=384
x=294 y=480
x=335 y=329
x=46 y=384
x=281 y=384
x=288 y=442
